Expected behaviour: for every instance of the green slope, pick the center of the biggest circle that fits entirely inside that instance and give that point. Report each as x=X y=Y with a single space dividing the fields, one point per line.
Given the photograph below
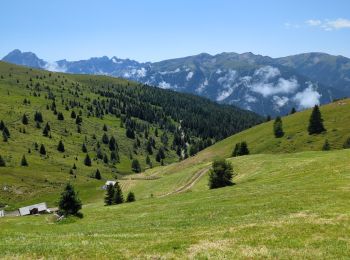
x=285 y=206
x=260 y=138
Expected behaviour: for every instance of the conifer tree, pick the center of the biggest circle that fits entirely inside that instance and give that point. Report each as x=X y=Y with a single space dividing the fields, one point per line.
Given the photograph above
x=244 y=148
x=6 y=131
x=316 y=122
x=277 y=127
x=293 y=111
x=60 y=116
x=73 y=114
x=220 y=174
x=2 y=162
x=104 y=128
x=109 y=198
x=236 y=150
x=105 y=138
x=24 y=161
x=112 y=144
x=60 y=146
x=83 y=148
x=25 y=119
x=42 y=150
x=98 y=174
x=118 y=195
x=87 y=160
x=69 y=203
x=135 y=166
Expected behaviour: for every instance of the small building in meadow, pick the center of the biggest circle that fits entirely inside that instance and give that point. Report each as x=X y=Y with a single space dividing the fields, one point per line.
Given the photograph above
x=109 y=183
x=33 y=209
x=2 y=213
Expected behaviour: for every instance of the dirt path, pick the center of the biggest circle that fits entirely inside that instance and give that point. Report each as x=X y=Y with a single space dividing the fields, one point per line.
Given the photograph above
x=195 y=178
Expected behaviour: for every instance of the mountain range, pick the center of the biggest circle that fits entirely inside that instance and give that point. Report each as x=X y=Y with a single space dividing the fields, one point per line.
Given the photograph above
x=268 y=86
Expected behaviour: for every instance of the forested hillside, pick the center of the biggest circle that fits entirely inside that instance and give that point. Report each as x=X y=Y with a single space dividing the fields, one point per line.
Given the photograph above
x=57 y=127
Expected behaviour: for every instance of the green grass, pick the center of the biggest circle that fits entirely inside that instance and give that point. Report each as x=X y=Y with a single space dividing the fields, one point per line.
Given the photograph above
x=283 y=206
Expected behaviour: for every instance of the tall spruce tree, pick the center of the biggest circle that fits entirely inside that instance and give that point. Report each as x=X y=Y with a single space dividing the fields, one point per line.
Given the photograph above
x=42 y=150
x=316 y=122
x=277 y=128
x=109 y=197
x=69 y=203
x=24 y=161
x=87 y=160
x=60 y=146
x=130 y=197
x=25 y=119
x=118 y=195
x=244 y=149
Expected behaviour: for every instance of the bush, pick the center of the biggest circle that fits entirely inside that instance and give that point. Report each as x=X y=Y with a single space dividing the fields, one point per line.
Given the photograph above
x=2 y=162
x=221 y=174
x=346 y=144
x=130 y=197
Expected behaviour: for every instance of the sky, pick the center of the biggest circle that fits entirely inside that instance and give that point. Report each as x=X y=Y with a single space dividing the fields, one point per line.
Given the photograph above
x=154 y=30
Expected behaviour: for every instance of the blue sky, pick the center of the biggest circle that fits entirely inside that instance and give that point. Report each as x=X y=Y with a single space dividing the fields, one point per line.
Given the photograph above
x=153 y=30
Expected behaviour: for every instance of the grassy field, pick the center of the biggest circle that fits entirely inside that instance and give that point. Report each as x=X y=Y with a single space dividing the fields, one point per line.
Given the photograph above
x=283 y=206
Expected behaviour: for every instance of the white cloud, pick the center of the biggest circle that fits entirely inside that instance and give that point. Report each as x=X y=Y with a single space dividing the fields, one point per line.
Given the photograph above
x=250 y=99
x=53 y=66
x=228 y=85
x=307 y=98
x=330 y=25
x=267 y=72
x=141 y=72
x=189 y=75
x=266 y=88
x=164 y=85
x=312 y=22
x=279 y=101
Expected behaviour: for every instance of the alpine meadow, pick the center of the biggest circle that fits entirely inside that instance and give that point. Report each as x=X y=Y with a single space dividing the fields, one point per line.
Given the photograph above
x=220 y=131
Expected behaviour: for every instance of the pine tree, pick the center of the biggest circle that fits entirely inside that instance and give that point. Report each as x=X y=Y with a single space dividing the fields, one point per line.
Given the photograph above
x=130 y=197
x=73 y=114
x=277 y=127
x=2 y=162
x=46 y=130
x=38 y=117
x=24 y=161
x=118 y=195
x=104 y=128
x=2 y=125
x=112 y=144
x=87 y=160
x=244 y=148
x=25 y=119
x=42 y=150
x=69 y=203
x=60 y=146
x=316 y=122
x=326 y=146
x=98 y=174
x=105 y=138
x=221 y=174
x=109 y=195
x=236 y=150
x=83 y=148
x=135 y=166
x=293 y=111
x=6 y=131
x=60 y=116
